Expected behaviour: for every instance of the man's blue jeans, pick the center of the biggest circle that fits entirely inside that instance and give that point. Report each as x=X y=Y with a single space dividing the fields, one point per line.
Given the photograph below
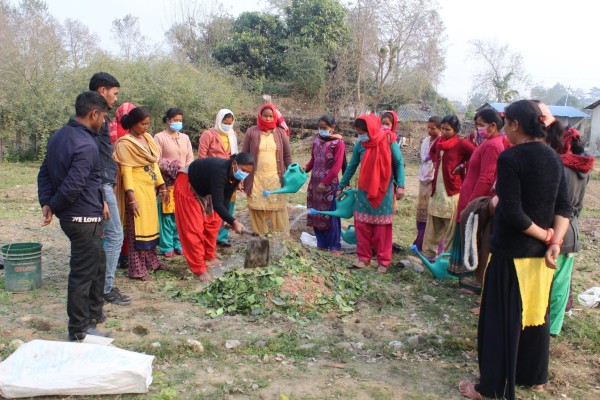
x=113 y=236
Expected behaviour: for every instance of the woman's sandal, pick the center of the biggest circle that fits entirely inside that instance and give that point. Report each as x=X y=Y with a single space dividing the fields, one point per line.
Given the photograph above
x=467 y=389
x=359 y=264
x=538 y=388
x=382 y=269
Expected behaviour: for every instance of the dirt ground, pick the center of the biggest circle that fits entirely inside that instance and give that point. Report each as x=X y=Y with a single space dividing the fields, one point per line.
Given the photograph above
x=335 y=356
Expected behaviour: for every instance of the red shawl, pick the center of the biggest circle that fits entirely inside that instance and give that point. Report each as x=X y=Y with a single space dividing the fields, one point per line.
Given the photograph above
x=579 y=163
x=278 y=120
x=376 y=165
x=116 y=129
x=443 y=144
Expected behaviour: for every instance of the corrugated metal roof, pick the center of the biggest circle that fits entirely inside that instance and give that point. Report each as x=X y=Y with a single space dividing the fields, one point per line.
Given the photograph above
x=557 y=111
x=593 y=105
x=414 y=112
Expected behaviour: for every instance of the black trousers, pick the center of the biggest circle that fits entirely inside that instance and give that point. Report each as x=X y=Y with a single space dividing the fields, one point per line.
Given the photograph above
x=508 y=354
x=86 y=278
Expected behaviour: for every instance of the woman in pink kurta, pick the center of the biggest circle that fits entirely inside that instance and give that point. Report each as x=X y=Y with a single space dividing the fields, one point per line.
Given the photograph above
x=175 y=153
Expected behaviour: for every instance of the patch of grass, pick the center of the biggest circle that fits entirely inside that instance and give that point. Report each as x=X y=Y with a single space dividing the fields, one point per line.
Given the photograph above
x=113 y=323
x=13 y=174
x=582 y=332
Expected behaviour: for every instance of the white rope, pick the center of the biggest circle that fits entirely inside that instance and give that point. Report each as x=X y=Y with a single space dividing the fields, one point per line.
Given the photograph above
x=470 y=257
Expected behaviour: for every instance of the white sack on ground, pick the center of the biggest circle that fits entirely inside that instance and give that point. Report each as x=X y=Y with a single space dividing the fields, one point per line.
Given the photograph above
x=46 y=368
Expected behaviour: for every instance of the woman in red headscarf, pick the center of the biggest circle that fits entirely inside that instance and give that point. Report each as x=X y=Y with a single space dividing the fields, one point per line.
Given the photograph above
x=116 y=127
x=268 y=143
x=381 y=166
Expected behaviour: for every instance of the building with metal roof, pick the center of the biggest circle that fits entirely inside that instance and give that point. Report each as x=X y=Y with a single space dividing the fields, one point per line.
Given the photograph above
x=414 y=112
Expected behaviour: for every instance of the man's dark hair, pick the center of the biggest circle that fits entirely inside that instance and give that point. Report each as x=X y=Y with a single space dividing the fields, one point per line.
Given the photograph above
x=103 y=79
x=89 y=101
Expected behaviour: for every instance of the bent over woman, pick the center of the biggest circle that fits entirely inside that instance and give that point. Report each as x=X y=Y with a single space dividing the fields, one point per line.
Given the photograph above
x=202 y=194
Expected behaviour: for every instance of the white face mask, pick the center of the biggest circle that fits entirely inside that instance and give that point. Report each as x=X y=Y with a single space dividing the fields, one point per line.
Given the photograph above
x=226 y=128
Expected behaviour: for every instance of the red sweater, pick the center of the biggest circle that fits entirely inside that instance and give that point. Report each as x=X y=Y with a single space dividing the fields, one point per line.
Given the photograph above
x=459 y=154
x=481 y=174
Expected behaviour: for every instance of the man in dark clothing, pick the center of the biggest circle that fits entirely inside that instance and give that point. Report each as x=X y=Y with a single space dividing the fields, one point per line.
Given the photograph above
x=69 y=185
x=108 y=87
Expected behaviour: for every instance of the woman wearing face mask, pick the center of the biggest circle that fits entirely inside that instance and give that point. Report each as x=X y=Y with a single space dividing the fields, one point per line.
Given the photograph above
x=221 y=142
x=327 y=158
x=480 y=176
x=381 y=166
x=202 y=193
x=449 y=154
x=269 y=145
x=175 y=152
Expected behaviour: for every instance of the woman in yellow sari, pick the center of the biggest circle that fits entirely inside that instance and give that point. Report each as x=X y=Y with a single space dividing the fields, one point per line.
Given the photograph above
x=139 y=176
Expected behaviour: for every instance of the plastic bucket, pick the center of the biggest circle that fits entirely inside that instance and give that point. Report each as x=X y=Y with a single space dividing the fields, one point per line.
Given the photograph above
x=22 y=266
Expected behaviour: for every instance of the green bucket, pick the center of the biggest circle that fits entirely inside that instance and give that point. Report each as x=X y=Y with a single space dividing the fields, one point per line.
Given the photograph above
x=22 y=266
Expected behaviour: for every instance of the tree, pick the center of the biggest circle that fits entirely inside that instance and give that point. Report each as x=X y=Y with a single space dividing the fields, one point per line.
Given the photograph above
x=395 y=40
x=502 y=74
x=317 y=23
x=197 y=29
x=257 y=47
x=79 y=43
x=127 y=34
x=33 y=59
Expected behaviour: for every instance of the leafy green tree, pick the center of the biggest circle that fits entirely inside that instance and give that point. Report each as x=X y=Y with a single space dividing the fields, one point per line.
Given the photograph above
x=33 y=58
x=257 y=47
x=306 y=71
x=317 y=23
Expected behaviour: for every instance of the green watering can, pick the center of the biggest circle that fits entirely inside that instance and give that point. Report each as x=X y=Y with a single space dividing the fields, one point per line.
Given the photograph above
x=349 y=235
x=344 y=205
x=293 y=179
x=439 y=268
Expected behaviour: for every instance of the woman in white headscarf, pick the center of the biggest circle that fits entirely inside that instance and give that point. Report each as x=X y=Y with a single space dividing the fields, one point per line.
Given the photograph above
x=220 y=141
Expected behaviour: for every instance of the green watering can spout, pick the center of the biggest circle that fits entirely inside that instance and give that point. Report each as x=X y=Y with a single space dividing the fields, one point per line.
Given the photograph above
x=344 y=205
x=293 y=179
x=439 y=268
x=349 y=235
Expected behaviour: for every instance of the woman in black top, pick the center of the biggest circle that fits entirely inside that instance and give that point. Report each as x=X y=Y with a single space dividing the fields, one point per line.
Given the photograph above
x=202 y=194
x=529 y=223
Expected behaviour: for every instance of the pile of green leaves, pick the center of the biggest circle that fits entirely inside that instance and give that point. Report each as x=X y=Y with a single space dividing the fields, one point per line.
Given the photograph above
x=258 y=291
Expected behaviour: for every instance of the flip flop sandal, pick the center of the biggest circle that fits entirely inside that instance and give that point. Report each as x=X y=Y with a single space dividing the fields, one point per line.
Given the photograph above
x=382 y=269
x=359 y=265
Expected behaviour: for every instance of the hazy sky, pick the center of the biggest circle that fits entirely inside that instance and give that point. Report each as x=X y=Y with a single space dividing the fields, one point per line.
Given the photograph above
x=556 y=38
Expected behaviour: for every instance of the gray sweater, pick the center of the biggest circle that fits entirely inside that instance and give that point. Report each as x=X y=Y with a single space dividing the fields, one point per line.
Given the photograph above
x=576 y=184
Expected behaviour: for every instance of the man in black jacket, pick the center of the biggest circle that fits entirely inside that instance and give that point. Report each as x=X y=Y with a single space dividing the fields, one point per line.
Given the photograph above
x=69 y=185
x=108 y=87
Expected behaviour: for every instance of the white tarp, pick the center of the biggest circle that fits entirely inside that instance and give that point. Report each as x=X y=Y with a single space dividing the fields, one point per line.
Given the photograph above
x=46 y=368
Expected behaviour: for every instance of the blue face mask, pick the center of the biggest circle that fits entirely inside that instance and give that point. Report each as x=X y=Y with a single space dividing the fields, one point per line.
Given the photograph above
x=176 y=126
x=226 y=128
x=324 y=133
x=239 y=174
x=363 y=137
